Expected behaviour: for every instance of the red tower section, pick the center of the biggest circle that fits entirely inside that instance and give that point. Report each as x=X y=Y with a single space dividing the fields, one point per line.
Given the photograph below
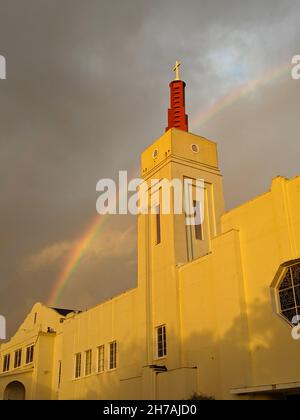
x=177 y=117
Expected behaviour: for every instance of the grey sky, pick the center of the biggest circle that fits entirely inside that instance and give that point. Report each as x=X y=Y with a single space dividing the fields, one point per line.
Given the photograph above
x=87 y=91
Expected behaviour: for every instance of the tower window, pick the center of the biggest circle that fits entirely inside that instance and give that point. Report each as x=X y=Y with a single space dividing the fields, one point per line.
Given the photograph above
x=77 y=365
x=198 y=225
x=6 y=363
x=161 y=341
x=158 y=229
x=88 y=362
x=29 y=354
x=155 y=154
x=100 y=367
x=113 y=355
x=289 y=292
x=59 y=374
x=18 y=358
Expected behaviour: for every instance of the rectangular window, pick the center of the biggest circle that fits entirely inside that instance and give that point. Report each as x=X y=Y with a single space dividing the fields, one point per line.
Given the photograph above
x=158 y=230
x=161 y=340
x=77 y=365
x=113 y=355
x=59 y=374
x=198 y=225
x=29 y=354
x=100 y=362
x=6 y=363
x=88 y=362
x=18 y=358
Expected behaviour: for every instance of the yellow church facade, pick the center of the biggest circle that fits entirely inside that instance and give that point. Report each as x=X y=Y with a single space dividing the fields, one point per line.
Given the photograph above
x=212 y=313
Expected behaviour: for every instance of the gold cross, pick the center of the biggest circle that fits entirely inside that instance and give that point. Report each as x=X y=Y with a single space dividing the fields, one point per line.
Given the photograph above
x=176 y=69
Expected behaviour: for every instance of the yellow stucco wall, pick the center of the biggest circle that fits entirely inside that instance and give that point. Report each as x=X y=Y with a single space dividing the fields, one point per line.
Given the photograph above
x=224 y=335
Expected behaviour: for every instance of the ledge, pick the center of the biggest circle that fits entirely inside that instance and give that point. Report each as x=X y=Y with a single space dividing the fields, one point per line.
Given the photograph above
x=16 y=372
x=266 y=388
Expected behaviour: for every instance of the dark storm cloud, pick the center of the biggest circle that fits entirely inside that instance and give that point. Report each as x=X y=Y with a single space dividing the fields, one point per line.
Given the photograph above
x=87 y=91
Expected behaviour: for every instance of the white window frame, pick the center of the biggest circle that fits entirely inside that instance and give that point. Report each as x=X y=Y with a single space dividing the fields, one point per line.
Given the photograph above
x=163 y=334
x=6 y=362
x=112 y=355
x=88 y=362
x=78 y=366
x=18 y=359
x=101 y=358
x=29 y=354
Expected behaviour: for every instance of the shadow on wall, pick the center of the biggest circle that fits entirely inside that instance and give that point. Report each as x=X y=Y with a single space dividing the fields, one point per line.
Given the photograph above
x=222 y=363
x=254 y=351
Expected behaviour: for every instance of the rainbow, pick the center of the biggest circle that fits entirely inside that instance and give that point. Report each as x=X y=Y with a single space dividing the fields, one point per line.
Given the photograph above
x=94 y=228
x=75 y=257
x=226 y=101
x=77 y=253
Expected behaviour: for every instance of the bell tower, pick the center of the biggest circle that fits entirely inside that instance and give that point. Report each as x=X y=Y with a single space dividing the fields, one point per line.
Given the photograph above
x=165 y=241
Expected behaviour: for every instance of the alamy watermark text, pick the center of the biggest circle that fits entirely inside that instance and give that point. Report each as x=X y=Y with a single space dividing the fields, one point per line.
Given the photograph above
x=2 y=67
x=2 y=328
x=176 y=196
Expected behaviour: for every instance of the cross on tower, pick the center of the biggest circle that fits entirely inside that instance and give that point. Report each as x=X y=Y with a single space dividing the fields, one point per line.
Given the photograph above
x=176 y=69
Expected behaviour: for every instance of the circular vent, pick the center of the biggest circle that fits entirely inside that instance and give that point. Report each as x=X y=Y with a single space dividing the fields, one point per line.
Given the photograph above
x=194 y=148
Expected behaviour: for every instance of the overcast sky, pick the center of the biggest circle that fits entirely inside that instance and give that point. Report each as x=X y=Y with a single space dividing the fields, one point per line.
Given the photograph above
x=87 y=91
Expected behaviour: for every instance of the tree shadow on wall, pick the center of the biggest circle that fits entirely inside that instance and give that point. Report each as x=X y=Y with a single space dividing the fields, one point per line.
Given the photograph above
x=254 y=352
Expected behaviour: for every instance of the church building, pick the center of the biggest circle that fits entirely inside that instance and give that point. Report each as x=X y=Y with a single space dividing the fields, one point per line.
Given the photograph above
x=215 y=306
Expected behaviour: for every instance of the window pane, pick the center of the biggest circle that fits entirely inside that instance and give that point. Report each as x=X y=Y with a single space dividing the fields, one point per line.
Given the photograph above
x=113 y=355
x=158 y=231
x=160 y=350
x=18 y=356
x=6 y=362
x=161 y=341
x=296 y=274
x=59 y=373
x=287 y=299
x=289 y=315
x=198 y=226
x=287 y=281
x=78 y=365
x=88 y=362
x=297 y=295
x=29 y=354
x=101 y=359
